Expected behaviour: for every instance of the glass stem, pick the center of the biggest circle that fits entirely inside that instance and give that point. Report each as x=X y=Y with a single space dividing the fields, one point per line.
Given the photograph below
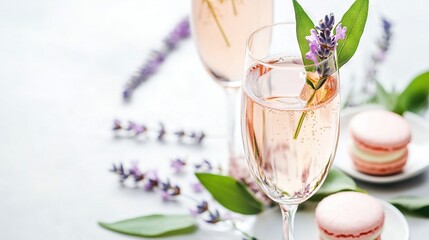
x=288 y=213
x=231 y=106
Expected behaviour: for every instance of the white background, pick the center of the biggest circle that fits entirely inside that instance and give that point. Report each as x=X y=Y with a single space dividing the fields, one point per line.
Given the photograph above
x=63 y=65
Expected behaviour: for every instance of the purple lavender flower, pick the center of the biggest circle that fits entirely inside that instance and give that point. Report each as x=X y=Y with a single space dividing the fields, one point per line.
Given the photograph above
x=165 y=185
x=124 y=174
x=168 y=191
x=322 y=41
x=340 y=32
x=136 y=173
x=198 y=137
x=313 y=53
x=152 y=181
x=120 y=171
x=136 y=128
x=180 y=134
x=180 y=32
x=130 y=126
x=214 y=217
x=175 y=191
x=178 y=165
x=204 y=166
x=161 y=132
x=201 y=208
x=326 y=23
x=166 y=196
x=116 y=125
x=384 y=42
x=197 y=187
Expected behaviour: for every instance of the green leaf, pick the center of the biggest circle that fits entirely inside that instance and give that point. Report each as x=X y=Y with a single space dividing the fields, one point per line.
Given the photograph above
x=336 y=181
x=230 y=193
x=354 y=19
x=310 y=83
x=156 y=225
x=415 y=96
x=383 y=97
x=303 y=27
x=415 y=205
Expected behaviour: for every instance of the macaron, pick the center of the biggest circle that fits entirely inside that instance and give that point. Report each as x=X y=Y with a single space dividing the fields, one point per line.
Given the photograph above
x=351 y=216
x=380 y=140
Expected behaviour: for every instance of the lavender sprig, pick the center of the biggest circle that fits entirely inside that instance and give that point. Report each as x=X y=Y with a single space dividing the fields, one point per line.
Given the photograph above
x=170 y=192
x=383 y=47
x=150 y=181
x=135 y=130
x=368 y=89
x=213 y=216
x=157 y=57
x=322 y=42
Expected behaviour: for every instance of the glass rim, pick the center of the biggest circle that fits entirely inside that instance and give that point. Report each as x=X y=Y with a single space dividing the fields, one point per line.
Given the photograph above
x=271 y=65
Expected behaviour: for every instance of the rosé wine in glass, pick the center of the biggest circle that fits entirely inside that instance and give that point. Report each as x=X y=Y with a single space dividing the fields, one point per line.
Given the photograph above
x=221 y=28
x=290 y=118
x=289 y=170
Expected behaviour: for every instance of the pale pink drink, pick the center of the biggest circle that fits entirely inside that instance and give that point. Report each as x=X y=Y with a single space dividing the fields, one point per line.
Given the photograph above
x=220 y=30
x=290 y=131
x=290 y=170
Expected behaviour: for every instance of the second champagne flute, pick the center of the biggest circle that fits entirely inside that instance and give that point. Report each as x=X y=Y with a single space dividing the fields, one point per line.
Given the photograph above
x=220 y=29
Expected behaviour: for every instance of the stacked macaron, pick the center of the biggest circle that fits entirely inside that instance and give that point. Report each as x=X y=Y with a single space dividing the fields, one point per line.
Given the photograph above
x=350 y=215
x=380 y=140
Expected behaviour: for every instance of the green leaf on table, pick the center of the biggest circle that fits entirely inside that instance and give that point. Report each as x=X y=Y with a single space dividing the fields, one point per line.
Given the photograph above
x=156 y=225
x=415 y=96
x=303 y=27
x=415 y=205
x=382 y=96
x=354 y=19
x=336 y=181
x=230 y=193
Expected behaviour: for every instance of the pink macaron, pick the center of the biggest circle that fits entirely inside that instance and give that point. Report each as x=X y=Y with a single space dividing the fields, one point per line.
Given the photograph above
x=351 y=216
x=380 y=140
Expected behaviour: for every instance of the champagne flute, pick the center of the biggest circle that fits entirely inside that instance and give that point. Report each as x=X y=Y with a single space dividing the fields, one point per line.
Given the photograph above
x=290 y=131
x=220 y=29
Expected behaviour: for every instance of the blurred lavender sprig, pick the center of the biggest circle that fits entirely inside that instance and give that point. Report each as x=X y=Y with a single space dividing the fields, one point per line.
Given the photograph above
x=157 y=57
x=368 y=89
x=150 y=181
x=213 y=216
x=135 y=130
x=169 y=192
x=378 y=58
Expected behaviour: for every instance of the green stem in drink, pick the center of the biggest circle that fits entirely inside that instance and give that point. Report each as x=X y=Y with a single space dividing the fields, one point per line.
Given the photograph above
x=301 y=119
x=213 y=12
x=319 y=85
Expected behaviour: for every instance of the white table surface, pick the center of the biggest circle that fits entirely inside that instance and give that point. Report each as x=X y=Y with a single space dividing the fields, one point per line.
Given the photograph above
x=62 y=68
